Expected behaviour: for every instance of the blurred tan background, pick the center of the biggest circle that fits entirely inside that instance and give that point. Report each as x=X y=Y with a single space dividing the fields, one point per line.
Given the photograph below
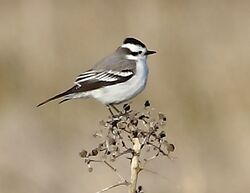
x=199 y=78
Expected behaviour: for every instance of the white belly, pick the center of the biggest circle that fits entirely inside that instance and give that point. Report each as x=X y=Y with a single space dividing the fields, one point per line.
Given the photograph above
x=123 y=91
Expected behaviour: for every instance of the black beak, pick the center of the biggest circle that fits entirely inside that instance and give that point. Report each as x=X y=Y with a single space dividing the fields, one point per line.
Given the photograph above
x=148 y=52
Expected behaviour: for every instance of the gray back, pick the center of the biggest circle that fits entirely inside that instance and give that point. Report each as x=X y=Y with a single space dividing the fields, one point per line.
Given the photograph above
x=117 y=61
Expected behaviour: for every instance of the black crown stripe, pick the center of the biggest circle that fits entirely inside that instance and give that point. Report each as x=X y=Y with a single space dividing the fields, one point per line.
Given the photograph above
x=133 y=41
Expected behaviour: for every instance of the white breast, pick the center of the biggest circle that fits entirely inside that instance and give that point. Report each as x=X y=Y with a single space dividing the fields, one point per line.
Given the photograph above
x=123 y=91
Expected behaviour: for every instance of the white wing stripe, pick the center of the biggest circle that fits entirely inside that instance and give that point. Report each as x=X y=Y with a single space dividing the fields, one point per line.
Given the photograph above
x=88 y=72
x=107 y=79
x=86 y=75
x=108 y=76
x=124 y=74
x=101 y=74
x=85 y=79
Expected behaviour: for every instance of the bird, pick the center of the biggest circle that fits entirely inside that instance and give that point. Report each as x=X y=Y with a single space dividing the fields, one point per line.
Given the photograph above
x=115 y=79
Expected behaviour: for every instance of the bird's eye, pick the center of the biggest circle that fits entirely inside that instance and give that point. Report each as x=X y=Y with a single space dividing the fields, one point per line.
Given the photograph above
x=134 y=53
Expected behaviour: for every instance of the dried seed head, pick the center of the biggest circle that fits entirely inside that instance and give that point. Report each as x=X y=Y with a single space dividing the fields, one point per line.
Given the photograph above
x=94 y=152
x=111 y=141
x=162 y=134
x=83 y=153
x=139 y=189
x=113 y=156
x=170 y=147
x=126 y=107
x=162 y=117
x=147 y=104
x=90 y=169
x=114 y=122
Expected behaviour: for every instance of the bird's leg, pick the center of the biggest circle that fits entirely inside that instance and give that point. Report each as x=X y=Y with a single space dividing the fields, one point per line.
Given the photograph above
x=108 y=106
x=116 y=109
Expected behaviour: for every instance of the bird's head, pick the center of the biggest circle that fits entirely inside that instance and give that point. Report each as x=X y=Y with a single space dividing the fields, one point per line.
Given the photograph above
x=134 y=49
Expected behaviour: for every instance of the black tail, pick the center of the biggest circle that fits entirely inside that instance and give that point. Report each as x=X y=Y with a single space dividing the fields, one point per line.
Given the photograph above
x=70 y=91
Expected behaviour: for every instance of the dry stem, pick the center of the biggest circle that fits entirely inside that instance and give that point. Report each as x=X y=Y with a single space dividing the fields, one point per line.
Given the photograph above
x=135 y=168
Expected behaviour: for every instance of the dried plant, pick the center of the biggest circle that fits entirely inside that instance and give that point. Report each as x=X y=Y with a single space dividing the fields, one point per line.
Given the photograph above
x=136 y=136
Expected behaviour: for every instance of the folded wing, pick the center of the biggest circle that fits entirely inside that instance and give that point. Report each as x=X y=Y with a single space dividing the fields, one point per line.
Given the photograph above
x=93 y=79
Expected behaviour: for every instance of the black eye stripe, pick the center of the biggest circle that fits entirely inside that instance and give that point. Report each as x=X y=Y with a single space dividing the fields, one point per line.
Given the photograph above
x=136 y=53
x=127 y=51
